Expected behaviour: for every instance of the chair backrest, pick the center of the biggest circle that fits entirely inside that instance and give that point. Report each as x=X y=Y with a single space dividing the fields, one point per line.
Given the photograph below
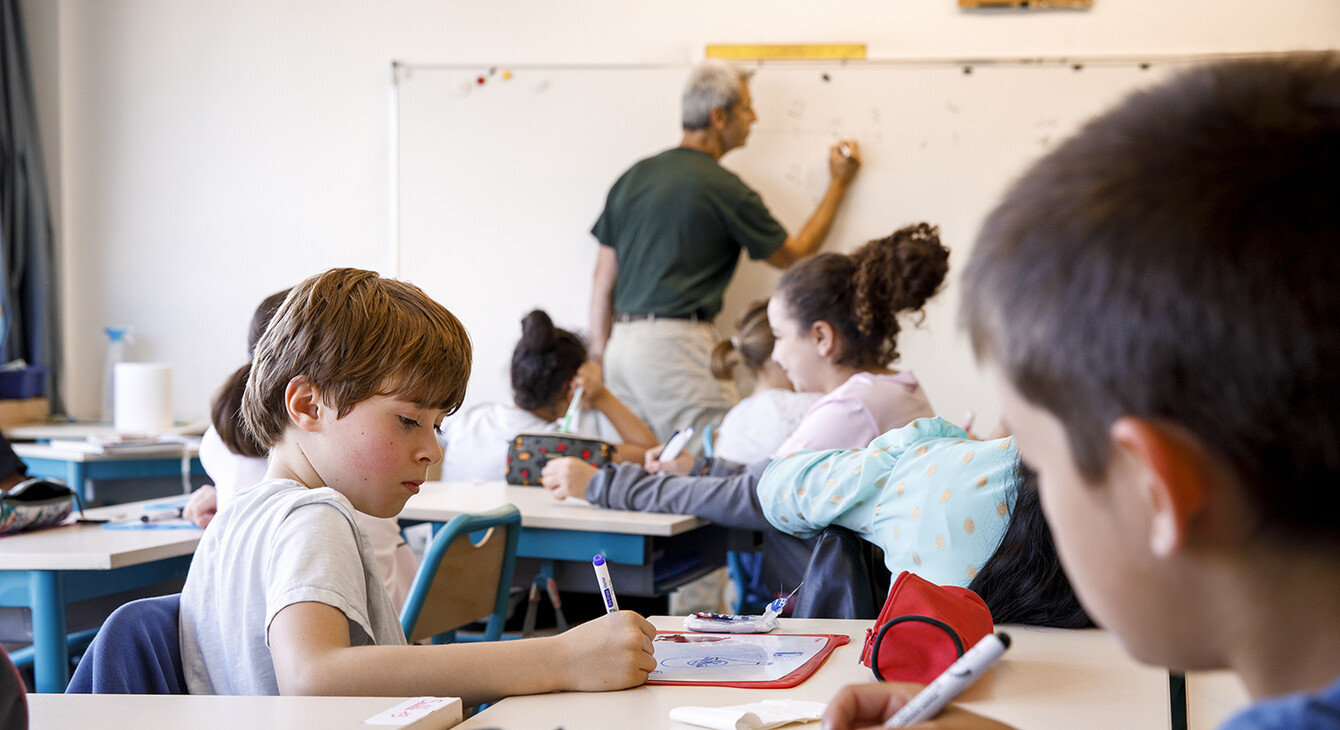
x=461 y=581
x=13 y=703
x=846 y=578
x=137 y=651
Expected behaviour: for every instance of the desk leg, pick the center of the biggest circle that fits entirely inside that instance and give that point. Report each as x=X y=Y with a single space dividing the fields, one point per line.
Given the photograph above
x=51 y=650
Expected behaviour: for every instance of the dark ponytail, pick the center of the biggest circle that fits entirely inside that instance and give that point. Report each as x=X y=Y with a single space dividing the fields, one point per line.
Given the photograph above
x=226 y=409
x=545 y=360
x=1022 y=583
x=861 y=294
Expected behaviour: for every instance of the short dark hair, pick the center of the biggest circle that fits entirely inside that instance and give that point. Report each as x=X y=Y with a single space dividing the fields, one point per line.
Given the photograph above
x=545 y=360
x=1177 y=260
x=862 y=293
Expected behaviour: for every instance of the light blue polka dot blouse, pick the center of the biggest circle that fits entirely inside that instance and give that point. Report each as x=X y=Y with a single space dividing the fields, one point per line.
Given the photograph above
x=934 y=500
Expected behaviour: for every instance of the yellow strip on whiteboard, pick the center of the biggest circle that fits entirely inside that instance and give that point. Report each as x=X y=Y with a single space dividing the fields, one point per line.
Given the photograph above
x=791 y=51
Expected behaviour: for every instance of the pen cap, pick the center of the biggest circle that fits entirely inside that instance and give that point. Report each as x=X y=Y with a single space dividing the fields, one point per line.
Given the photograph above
x=922 y=629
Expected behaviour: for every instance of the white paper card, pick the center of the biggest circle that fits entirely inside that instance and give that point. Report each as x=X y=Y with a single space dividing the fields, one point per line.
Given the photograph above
x=409 y=711
x=754 y=716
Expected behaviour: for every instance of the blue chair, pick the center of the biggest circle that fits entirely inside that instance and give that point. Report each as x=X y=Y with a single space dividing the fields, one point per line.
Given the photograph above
x=137 y=652
x=463 y=580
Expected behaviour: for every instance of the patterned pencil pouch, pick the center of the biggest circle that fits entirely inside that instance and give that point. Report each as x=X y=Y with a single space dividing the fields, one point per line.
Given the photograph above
x=529 y=452
x=35 y=503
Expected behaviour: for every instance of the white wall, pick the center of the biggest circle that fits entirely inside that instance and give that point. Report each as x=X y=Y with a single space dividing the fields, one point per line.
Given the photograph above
x=209 y=153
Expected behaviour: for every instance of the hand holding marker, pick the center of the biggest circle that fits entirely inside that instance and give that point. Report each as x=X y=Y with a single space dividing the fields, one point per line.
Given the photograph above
x=676 y=444
x=570 y=418
x=604 y=585
x=952 y=681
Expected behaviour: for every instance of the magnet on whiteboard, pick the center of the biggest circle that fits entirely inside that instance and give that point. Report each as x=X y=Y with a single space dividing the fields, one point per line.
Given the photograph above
x=541 y=86
x=507 y=75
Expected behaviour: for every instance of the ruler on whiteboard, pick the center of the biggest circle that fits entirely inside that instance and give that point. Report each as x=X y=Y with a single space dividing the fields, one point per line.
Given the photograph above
x=797 y=51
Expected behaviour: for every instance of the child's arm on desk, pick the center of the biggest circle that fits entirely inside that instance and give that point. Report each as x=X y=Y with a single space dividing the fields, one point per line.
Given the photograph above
x=310 y=645
x=869 y=705
x=637 y=437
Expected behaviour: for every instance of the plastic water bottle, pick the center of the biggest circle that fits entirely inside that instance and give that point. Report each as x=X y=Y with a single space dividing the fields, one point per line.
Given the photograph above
x=117 y=340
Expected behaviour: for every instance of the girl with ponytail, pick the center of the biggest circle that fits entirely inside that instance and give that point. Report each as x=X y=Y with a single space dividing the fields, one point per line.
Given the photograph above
x=835 y=321
x=548 y=364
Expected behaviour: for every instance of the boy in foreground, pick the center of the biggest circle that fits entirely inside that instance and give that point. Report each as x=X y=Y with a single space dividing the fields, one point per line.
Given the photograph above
x=348 y=386
x=1158 y=300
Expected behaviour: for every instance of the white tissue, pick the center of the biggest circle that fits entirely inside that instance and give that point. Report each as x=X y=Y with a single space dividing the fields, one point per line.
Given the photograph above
x=754 y=716
x=142 y=395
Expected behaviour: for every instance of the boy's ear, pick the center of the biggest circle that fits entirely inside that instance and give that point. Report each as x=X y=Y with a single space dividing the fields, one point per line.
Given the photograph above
x=302 y=401
x=1174 y=470
x=825 y=338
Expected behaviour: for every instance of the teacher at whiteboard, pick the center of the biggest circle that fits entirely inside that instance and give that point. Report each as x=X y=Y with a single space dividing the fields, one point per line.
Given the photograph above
x=670 y=237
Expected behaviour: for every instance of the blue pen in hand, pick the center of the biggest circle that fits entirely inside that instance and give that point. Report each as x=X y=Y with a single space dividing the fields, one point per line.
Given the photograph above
x=604 y=585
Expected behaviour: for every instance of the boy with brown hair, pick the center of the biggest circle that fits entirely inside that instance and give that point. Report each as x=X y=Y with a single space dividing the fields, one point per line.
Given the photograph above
x=1158 y=300
x=348 y=386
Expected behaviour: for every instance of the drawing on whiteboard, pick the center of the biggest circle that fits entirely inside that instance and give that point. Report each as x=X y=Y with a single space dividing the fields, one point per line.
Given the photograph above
x=732 y=657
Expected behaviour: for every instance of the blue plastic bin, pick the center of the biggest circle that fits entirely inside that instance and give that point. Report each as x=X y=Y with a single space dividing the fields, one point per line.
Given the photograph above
x=26 y=382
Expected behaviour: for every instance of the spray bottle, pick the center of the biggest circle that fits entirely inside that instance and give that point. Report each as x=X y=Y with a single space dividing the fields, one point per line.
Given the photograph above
x=118 y=338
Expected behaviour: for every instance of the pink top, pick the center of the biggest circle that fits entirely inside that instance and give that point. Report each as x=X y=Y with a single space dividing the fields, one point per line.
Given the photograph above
x=854 y=413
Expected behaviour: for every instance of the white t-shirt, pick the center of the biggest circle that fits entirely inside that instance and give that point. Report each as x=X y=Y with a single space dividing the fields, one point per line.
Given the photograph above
x=757 y=425
x=278 y=543
x=475 y=440
x=233 y=472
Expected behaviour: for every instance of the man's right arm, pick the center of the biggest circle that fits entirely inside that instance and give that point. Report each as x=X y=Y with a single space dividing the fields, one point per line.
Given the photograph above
x=602 y=302
x=842 y=168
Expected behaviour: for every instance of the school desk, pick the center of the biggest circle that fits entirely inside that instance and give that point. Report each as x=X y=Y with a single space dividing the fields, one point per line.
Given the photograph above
x=47 y=569
x=1212 y=698
x=217 y=712
x=1048 y=679
x=648 y=553
x=78 y=468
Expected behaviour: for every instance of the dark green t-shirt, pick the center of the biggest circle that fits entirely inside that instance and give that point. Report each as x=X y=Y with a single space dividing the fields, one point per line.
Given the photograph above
x=677 y=222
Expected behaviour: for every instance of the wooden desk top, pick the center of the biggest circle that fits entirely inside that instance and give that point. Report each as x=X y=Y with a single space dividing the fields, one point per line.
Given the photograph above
x=1048 y=679
x=440 y=501
x=167 y=450
x=85 y=429
x=89 y=547
x=1213 y=697
x=218 y=712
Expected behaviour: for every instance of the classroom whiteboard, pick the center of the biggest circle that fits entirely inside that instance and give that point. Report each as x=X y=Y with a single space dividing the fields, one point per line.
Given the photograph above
x=499 y=182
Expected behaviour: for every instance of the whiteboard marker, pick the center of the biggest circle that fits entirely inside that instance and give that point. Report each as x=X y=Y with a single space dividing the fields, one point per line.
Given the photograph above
x=845 y=150
x=676 y=444
x=604 y=584
x=954 y=680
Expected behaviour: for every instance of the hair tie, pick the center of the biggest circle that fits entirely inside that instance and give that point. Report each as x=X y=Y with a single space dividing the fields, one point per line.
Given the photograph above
x=735 y=342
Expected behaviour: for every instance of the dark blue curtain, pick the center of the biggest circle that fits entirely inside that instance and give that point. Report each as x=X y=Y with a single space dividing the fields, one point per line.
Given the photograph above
x=27 y=264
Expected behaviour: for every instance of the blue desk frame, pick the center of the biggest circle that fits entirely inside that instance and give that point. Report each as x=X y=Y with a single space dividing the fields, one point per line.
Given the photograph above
x=77 y=473
x=48 y=592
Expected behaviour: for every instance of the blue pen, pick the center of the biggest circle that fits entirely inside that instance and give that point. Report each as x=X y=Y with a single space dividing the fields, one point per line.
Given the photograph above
x=604 y=584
